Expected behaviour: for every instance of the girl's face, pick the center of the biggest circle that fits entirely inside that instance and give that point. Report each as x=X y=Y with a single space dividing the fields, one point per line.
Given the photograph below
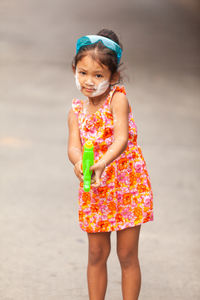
x=92 y=79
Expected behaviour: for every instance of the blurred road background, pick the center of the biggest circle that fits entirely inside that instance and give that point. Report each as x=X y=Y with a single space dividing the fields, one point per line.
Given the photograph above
x=43 y=252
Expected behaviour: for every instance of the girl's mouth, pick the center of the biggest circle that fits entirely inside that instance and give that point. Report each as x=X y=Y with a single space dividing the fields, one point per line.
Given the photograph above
x=89 y=90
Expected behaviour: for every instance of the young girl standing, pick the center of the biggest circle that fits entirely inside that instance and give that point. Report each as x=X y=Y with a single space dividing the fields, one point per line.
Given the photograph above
x=121 y=197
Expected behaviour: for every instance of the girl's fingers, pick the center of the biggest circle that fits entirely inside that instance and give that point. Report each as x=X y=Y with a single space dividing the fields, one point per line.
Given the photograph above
x=96 y=184
x=93 y=180
x=79 y=174
x=80 y=177
x=78 y=167
x=97 y=181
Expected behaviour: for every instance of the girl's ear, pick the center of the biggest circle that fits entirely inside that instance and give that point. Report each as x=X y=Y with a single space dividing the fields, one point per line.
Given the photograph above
x=115 y=78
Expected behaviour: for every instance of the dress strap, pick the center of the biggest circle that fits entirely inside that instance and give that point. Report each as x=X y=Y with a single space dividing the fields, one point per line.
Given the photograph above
x=115 y=88
x=77 y=106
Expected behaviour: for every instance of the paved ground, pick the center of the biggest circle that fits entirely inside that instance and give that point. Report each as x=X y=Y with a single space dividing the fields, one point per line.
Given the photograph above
x=43 y=252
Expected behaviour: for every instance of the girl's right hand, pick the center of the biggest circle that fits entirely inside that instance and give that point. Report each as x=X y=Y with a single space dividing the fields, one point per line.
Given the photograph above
x=97 y=169
x=78 y=170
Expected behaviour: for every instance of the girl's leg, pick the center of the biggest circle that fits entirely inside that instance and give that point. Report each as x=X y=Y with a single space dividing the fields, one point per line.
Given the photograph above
x=98 y=252
x=127 y=251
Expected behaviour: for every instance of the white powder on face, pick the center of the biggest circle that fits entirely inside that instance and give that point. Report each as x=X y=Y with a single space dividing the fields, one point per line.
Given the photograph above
x=78 y=85
x=101 y=88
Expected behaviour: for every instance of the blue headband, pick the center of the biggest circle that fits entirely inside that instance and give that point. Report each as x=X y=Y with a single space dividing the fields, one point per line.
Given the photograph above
x=93 y=39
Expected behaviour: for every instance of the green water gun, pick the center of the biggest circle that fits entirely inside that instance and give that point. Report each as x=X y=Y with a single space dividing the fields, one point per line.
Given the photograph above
x=88 y=161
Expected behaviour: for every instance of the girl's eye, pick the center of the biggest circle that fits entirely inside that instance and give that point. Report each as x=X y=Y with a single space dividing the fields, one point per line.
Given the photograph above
x=82 y=73
x=99 y=76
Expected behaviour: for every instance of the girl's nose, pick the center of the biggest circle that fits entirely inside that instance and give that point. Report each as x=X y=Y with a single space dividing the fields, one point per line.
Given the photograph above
x=89 y=81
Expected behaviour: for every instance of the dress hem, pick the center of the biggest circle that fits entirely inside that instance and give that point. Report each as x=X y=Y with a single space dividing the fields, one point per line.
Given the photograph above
x=131 y=226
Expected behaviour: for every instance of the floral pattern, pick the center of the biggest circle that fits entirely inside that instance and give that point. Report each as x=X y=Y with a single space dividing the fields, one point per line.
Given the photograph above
x=124 y=198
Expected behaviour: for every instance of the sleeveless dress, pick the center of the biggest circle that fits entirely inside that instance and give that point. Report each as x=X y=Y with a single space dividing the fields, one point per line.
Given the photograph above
x=124 y=198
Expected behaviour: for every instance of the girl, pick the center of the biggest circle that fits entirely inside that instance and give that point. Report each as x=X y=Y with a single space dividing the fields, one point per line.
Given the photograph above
x=120 y=198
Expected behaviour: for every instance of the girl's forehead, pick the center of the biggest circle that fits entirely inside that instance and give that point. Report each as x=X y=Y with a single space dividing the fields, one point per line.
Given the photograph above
x=88 y=62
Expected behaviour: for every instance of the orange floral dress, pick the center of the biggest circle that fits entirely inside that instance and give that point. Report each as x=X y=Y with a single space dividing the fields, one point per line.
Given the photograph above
x=124 y=198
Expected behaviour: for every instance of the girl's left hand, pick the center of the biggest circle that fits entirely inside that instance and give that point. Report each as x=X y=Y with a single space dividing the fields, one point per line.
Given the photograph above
x=98 y=169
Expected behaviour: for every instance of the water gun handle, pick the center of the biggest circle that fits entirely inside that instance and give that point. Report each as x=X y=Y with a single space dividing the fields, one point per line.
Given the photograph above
x=87 y=176
x=88 y=161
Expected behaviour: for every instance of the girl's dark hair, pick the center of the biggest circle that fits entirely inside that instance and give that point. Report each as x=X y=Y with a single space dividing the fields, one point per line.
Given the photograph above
x=102 y=54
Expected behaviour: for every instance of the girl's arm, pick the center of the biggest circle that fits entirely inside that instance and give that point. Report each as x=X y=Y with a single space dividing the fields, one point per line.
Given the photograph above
x=74 y=141
x=120 y=110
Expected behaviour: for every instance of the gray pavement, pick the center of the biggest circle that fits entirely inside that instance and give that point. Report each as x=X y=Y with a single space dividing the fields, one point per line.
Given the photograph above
x=43 y=252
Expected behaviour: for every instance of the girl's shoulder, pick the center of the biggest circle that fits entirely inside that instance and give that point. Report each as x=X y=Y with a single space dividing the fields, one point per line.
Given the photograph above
x=119 y=98
x=120 y=89
x=116 y=90
x=77 y=105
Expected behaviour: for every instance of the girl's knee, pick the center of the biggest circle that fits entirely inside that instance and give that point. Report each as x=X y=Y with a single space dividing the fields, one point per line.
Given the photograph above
x=98 y=255
x=127 y=258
